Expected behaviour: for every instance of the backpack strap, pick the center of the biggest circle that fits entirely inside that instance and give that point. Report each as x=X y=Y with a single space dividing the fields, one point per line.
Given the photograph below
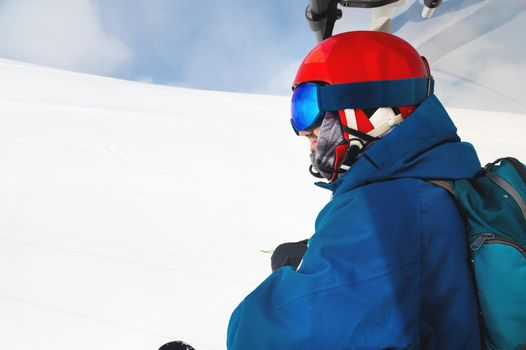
x=447 y=185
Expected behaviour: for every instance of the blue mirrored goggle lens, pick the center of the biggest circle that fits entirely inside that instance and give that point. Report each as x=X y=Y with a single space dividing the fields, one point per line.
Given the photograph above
x=305 y=110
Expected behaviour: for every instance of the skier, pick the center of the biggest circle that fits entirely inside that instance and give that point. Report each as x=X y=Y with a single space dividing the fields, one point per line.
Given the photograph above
x=387 y=267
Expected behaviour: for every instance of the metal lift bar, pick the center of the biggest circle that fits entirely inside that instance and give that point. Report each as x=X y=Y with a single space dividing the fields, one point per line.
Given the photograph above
x=322 y=14
x=366 y=3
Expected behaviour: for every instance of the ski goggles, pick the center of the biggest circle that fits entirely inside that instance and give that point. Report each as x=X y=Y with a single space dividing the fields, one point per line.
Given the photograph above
x=310 y=101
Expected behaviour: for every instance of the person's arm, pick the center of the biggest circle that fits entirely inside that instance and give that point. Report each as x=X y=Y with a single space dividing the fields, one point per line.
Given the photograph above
x=357 y=287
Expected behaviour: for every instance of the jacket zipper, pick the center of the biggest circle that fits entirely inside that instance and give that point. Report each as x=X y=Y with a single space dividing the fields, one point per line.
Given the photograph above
x=488 y=238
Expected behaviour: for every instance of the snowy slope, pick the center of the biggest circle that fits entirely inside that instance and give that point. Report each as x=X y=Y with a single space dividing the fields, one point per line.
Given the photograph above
x=134 y=214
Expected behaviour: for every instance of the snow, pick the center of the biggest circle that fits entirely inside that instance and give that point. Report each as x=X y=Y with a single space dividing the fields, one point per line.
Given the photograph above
x=134 y=214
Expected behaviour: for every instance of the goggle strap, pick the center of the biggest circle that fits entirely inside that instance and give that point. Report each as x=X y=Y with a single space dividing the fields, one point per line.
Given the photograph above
x=373 y=94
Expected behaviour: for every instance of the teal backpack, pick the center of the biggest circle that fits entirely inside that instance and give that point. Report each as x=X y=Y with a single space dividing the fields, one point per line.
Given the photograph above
x=494 y=208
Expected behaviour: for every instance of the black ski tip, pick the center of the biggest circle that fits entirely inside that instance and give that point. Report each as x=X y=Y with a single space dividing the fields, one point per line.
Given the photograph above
x=176 y=345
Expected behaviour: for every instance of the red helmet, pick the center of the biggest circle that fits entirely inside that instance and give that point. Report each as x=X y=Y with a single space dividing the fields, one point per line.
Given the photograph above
x=362 y=57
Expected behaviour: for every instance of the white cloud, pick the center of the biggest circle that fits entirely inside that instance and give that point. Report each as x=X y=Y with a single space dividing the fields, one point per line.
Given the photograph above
x=60 y=33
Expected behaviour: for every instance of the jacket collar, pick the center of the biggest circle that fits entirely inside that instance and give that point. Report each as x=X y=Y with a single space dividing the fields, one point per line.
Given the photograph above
x=425 y=145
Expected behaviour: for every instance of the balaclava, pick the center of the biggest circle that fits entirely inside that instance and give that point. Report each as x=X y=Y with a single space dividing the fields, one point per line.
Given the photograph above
x=330 y=136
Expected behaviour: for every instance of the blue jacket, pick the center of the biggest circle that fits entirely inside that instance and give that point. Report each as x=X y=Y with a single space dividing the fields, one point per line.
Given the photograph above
x=387 y=267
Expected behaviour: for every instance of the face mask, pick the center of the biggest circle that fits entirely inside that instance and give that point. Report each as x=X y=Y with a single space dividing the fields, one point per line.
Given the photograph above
x=330 y=136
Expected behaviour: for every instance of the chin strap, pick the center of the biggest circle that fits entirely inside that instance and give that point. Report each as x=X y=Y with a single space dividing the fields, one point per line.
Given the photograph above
x=354 y=149
x=356 y=144
x=315 y=173
x=361 y=135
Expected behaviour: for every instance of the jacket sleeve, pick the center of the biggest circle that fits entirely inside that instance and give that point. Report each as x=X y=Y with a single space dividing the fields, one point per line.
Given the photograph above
x=356 y=288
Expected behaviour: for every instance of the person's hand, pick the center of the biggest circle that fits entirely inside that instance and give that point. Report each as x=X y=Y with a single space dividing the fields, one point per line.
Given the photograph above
x=288 y=254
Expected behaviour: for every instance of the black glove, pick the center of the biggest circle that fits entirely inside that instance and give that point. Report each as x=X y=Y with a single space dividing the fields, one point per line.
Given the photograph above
x=288 y=254
x=176 y=345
